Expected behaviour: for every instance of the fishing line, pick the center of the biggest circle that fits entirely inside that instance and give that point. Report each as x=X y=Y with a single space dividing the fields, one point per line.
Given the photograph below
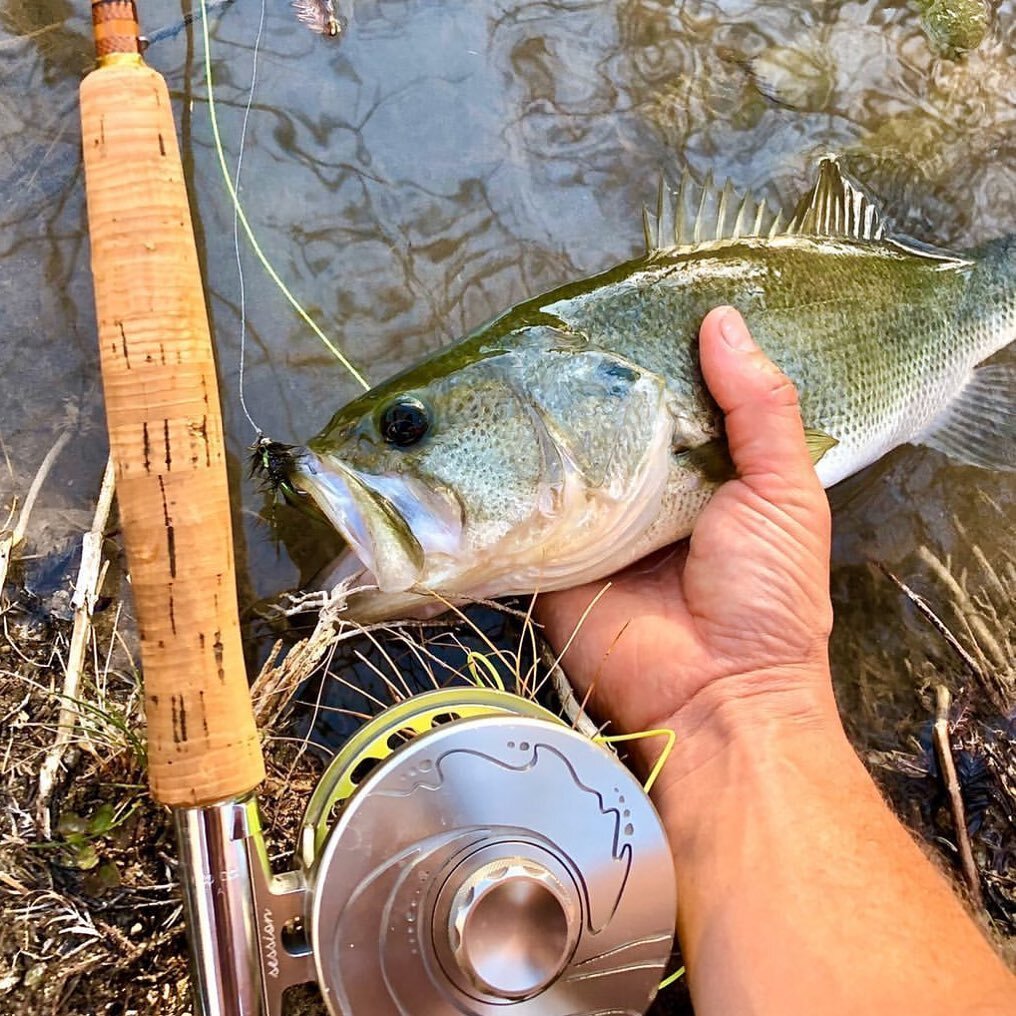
x=668 y=981
x=236 y=220
x=480 y=667
x=241 y=216
x=641 y=735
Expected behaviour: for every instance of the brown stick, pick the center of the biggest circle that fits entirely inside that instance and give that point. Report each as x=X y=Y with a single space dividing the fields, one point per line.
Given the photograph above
x=936 y=622
x=86 y=590
x=943 y=751
x=165 y=432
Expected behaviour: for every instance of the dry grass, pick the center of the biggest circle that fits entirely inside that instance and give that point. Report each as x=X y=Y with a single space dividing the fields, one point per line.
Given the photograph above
x=92 y=898
x=90 y=919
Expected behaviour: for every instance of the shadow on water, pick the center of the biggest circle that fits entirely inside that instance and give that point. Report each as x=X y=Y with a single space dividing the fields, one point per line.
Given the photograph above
x=441 y=161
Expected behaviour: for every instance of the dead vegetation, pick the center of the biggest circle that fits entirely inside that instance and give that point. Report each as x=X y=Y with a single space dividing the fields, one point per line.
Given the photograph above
x=90 y=919
x=957 y=784
x=94 y=894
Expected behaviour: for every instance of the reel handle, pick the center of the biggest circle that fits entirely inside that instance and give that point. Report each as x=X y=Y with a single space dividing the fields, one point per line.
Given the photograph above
x=165 y=427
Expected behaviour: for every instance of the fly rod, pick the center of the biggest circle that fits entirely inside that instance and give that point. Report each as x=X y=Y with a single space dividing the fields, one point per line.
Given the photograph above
x=465 y=851
x=166 y=440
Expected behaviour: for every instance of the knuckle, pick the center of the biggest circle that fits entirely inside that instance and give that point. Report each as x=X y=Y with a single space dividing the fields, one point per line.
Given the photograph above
x=782 y=392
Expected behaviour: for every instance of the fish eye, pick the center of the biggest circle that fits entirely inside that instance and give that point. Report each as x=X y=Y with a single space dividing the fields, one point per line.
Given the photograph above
x=403 y=422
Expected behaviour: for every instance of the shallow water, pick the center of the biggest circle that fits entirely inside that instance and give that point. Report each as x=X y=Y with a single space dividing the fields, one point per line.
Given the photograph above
x=441 y=161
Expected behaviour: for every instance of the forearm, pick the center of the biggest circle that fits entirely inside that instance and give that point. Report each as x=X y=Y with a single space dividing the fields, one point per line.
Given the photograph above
x=799 y=892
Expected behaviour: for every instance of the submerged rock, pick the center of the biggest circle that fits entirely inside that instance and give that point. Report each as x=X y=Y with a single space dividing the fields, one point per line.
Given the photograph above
x=954 y=27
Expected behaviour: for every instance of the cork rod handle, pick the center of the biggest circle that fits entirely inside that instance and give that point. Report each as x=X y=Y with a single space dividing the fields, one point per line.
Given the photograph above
x=165 y=428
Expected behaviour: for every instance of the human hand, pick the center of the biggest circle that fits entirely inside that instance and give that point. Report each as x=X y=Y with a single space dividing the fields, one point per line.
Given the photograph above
x=739 y=612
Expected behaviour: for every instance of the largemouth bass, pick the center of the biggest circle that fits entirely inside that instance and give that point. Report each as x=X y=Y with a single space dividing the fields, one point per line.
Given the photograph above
x=573 y=434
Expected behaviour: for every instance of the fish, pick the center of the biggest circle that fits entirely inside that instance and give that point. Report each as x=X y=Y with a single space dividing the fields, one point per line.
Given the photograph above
x=573 y=434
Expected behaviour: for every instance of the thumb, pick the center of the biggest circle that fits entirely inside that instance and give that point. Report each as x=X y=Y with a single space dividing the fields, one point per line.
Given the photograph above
x=759 y=402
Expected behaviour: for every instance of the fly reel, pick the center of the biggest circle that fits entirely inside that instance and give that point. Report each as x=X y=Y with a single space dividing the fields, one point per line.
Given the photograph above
x=467 y=852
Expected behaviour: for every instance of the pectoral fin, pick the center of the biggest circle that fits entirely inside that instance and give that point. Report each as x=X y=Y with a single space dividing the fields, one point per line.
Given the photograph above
x=818 y=442
x=978 y=427
x=713 y=461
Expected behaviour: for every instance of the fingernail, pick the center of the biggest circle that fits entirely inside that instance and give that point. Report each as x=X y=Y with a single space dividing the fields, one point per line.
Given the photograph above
x=735 y=332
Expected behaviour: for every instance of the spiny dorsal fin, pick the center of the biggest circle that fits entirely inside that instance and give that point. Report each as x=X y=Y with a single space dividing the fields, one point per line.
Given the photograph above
x=837 y=206
x=704 y=213
x=697 y=213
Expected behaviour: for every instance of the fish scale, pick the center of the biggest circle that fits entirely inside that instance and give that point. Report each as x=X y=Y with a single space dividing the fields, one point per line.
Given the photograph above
x=854 y=328
x=574 y=434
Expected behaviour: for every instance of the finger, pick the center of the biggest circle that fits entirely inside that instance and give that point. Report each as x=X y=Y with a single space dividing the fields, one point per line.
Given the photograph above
x=759 y=402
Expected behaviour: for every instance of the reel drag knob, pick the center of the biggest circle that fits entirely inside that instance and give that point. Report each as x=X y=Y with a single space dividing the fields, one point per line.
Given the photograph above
x=513 y=927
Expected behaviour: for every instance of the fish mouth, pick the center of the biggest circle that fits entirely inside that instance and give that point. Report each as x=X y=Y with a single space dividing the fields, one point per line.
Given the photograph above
x=395 y=526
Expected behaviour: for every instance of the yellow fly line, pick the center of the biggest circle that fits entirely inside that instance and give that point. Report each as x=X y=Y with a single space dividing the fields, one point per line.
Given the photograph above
x=476 y=661
x=259 y=253
x=668 y=981
x=641 y=735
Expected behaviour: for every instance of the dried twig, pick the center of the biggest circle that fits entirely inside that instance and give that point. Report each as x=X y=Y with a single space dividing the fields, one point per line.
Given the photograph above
x=573 y=710
x=279 y=679
x=943 y=751
x=90 y=575
x=940 y=626
x=10 y=539
x=981 y=633
x=275 y=684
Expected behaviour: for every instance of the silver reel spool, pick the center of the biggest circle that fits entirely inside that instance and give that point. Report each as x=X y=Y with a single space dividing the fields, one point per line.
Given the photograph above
x=466 y=852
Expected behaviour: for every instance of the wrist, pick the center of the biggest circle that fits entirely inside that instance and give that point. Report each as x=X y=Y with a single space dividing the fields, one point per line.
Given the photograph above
x=749 y=718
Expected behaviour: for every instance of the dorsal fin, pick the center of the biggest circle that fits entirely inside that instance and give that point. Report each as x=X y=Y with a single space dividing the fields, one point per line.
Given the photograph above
x=837 y=206
x=703 y=213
